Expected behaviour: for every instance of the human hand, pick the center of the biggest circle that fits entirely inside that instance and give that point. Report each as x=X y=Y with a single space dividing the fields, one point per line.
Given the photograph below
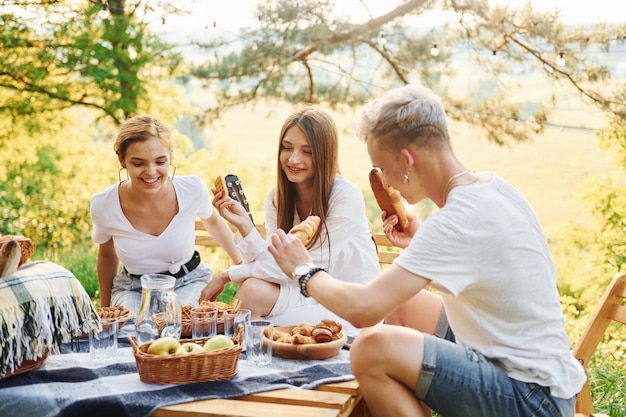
x=231 y=210
x=288 y=251
x=214 y=287
x=400 y=239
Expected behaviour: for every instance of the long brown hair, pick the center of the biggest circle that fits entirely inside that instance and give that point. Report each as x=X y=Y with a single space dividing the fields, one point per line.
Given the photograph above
x=321 y=132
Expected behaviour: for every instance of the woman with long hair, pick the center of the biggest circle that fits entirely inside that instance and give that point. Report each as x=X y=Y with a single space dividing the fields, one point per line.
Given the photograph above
x=309 y=184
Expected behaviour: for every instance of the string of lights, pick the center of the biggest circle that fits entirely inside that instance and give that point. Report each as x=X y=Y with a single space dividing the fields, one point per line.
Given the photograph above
x=435 y=51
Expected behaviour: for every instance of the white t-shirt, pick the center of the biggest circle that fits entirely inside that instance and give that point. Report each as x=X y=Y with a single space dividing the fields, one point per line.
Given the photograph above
x=351 y=255
x=486 y=252
x=143 y=253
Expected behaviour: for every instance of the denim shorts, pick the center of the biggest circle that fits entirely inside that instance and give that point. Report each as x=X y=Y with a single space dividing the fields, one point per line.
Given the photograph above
x=457 y=381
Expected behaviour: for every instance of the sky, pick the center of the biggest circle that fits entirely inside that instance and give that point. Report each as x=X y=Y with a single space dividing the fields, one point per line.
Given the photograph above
x=230 y=14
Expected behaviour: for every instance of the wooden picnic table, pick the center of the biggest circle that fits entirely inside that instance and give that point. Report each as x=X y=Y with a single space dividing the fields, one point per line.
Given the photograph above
x=341 y=399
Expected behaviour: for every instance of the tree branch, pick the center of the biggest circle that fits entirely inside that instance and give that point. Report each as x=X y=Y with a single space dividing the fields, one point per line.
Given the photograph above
x=361 y=30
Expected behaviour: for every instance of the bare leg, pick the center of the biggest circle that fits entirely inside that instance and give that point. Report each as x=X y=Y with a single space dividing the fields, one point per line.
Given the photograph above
x=258 y=296
x=387 y=361
x=421 y=312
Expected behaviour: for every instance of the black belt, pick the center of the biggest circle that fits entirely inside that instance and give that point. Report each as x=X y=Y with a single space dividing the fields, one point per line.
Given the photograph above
x=184 y=270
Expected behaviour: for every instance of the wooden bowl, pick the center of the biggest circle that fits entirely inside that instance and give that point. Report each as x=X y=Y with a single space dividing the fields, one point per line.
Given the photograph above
x=308 y=351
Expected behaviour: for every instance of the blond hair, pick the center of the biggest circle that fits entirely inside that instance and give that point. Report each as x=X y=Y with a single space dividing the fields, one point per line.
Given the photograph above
x=139 y=129
x=405 y=115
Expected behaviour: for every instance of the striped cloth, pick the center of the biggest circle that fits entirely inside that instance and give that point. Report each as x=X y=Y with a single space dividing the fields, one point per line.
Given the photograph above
x=41 y=306
x=71 y=385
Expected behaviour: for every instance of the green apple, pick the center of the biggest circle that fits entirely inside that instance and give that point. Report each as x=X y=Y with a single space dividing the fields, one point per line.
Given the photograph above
x=189 y=347
x=218 y=342
x=164 y=346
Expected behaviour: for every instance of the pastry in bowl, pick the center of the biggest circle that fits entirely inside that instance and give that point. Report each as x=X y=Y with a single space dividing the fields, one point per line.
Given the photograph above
x=305 y=341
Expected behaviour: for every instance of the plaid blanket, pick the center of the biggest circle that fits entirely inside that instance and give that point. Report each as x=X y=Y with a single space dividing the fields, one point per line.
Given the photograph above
x=41 y=306
x=71 y=385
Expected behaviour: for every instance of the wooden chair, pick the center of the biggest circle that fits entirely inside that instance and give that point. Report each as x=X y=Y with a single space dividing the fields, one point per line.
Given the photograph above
x=610 y=308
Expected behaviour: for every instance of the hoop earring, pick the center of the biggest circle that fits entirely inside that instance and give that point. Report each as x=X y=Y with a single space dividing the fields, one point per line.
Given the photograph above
x=406 y=177
x=173 y=173
x=119 y=174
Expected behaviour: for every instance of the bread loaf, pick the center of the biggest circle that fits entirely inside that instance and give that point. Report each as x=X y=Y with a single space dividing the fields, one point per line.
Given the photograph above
x=9 y=257
x=388 y=199
x=27 y=247
x=306 y=229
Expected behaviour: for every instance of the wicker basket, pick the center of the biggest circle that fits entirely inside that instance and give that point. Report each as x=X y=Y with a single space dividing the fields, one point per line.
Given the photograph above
x=217 y=365
x=27 y=366
x=121 y=313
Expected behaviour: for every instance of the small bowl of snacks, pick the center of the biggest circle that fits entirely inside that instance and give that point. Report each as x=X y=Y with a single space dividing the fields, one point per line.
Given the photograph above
x=305 y=341
x=121 y=313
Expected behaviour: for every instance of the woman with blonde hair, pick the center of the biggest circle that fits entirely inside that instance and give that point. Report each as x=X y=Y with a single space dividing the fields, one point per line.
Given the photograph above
x=147 y=220
x=308 y=183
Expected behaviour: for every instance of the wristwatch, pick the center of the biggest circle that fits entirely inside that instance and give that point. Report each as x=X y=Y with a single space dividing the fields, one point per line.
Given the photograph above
x=304 y=272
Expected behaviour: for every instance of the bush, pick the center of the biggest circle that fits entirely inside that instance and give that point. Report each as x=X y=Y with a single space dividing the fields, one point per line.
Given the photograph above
x=80 y=259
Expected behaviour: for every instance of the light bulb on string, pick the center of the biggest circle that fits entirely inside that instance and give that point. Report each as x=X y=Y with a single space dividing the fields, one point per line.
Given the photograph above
x=434 y=51
x=560 y=61
x=382 y=41
x=104 y=10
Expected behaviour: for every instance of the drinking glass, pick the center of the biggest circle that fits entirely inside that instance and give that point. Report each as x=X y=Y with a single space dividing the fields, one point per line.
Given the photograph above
x=234 y=319
x=259 y=342
x=103 y=344
x=203 y=322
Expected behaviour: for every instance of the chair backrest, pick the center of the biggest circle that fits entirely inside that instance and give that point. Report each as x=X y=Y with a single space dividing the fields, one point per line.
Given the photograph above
x=385 y=256
x=609 y=309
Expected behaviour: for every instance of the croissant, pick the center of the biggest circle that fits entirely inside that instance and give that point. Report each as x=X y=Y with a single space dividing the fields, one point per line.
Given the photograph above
x=322 y=334
x=299 y=339
x=306 y=229
x=333 y=325
x=388 y=199
x=277 y=334
x=304 y=329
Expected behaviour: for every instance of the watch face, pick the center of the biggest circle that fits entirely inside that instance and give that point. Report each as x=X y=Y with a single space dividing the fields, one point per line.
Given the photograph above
x=302 y=269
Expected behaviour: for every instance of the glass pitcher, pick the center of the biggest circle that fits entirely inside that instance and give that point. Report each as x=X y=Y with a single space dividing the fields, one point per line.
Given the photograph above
x=160 y=312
